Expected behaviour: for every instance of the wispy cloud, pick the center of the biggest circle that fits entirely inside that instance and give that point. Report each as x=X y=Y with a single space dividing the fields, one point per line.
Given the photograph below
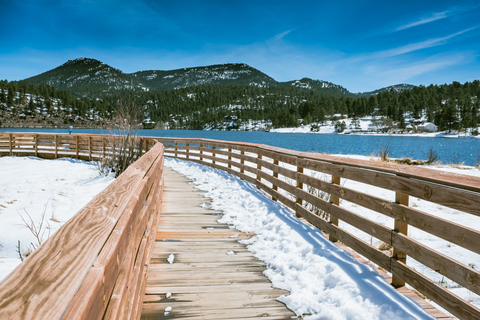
x=434 y=17
x=281 y=35
x=420 y=45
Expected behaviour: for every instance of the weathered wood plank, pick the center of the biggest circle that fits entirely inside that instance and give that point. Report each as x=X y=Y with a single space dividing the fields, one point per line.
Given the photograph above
x=43 y=286
x=456 y=271
x=195 y=260
x=454 y=304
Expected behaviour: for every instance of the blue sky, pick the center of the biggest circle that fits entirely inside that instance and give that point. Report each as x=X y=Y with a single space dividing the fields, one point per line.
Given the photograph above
x=360 y=45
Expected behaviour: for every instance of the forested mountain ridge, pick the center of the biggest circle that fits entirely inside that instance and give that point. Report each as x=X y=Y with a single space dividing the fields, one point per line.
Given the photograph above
x=396 y=87
x=86 y=93
x=93 y=78
x=87 y=77
x=235 y=73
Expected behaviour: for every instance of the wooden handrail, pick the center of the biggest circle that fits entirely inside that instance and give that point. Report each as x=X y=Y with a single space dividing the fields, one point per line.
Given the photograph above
x=51 y=146
x=95 y=263
x=286 y=176
x=250 y=161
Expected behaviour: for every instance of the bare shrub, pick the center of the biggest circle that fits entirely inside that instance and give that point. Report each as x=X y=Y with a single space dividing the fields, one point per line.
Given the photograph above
x=40 y=230
x=432 y=156
x=123 y=145
x=385 y=150
x=322 y=195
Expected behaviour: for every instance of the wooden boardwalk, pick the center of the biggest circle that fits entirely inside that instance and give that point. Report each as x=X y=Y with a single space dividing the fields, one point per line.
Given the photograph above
x=212 y=276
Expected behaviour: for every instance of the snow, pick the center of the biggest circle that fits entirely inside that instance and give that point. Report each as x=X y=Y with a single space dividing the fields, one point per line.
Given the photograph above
x=366 y=127
x=32 y=187
x=324 y=281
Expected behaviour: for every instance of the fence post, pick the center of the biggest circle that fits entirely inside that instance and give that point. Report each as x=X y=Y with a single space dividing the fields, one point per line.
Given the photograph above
x=275 y=175
x=336 y=201
x=176 y=149
x=147 y=145
x=187 y=145
x=90 y=147
x=400 y=227
x=242 y=161
x=56 y=147
x=76 y=146
x=201 y=151
x=299 y=200
x=213 y=154
x=259 y=168
x=103 y=147
x=10 y=142
x=36 y=145
x=229 y=158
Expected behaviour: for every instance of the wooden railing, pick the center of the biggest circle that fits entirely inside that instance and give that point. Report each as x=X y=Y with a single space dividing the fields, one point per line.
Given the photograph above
x=51 y=146
x=290 y=176
x=94 y=266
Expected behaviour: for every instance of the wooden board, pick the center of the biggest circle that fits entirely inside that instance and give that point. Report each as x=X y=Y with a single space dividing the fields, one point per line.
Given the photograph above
x=204 y=281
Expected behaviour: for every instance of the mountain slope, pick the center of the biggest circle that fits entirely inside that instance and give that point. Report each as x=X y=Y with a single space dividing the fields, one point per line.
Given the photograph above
x=396 y=87
x=235 y=73
x=318 y=86
x=87 y=76
x=93 y=78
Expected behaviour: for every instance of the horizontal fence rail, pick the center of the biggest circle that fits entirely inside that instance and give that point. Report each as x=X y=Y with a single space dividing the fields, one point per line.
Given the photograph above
x=94 y=266
x=81 y=146
x=292 y=178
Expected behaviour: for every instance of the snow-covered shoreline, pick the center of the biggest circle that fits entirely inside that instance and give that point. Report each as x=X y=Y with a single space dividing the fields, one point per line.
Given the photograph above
x=329 y=129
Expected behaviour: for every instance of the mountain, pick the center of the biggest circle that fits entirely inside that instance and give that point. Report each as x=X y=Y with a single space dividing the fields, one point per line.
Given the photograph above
x=235 y=73
x=317 y=85
x=396 y=87
x=87 y=76
x=93 y=78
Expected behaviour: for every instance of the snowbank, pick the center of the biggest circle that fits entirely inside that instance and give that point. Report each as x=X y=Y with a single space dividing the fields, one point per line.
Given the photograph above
x=324 y=281
x=32 y=188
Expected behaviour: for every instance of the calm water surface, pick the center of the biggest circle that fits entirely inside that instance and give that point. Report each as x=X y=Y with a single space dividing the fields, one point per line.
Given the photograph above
x=450 y=150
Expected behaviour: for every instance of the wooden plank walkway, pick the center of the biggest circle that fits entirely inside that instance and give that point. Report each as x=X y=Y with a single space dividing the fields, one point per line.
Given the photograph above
x=204 y=280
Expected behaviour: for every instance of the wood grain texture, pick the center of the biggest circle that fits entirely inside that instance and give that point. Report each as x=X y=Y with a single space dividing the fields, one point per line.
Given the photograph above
x=454 y=304
x=249 y=160
x=63 y=268
x=218 y=285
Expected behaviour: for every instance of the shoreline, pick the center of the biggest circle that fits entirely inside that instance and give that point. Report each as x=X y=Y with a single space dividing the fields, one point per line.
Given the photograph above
x=279 y=130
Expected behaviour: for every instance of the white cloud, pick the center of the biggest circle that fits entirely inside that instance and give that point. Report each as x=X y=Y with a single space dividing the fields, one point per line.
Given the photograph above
x=420 y=45
x=436 y=16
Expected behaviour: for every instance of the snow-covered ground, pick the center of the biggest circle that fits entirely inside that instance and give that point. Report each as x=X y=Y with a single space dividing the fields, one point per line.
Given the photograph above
x=213 y=184
x=33 y=190
x=323 y=280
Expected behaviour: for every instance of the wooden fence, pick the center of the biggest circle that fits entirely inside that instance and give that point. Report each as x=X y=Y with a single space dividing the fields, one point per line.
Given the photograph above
x=52 y=146
x=94 y=266
x=287 y=177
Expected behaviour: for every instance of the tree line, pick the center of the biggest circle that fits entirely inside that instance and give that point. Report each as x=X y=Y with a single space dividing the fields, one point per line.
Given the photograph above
x=449 y=106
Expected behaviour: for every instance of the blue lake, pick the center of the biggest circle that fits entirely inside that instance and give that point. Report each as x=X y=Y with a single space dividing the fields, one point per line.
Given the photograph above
x=449 y=150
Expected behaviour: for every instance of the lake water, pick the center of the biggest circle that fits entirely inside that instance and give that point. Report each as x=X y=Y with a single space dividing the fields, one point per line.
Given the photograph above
x=449 y=150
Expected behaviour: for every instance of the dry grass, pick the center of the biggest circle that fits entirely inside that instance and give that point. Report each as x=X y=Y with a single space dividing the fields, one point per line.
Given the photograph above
x=386 y=247
x=385 y=151
x=40 y=230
